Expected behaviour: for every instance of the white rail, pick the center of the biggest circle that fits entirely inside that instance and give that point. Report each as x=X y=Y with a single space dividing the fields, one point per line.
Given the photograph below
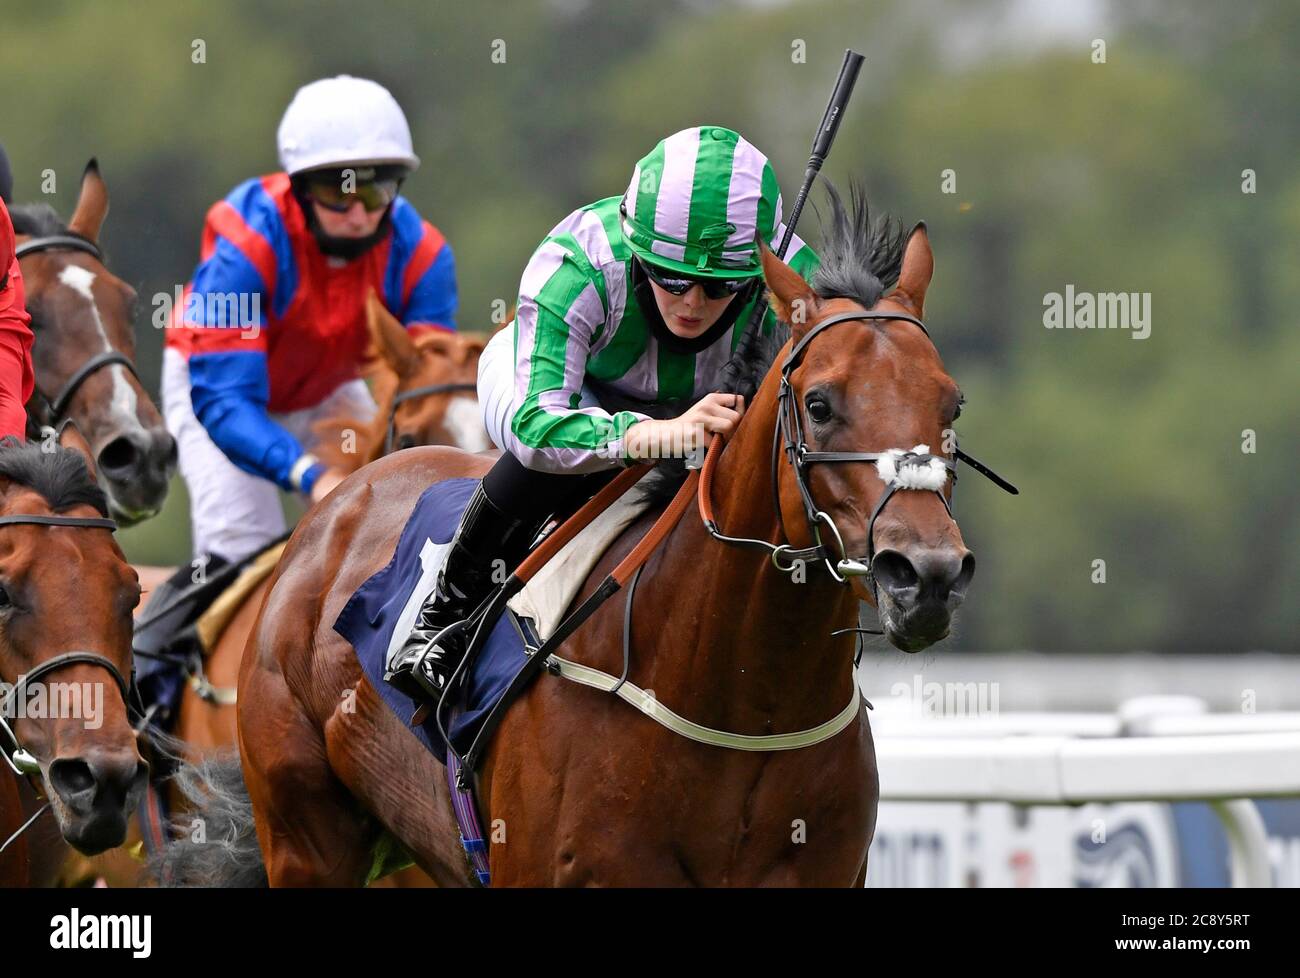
x=1044 y=759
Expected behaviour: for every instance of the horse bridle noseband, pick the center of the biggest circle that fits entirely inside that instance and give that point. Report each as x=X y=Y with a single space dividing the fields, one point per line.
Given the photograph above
x=415 y=393
x=57 y=407
x=20 y=760
x=788 y=439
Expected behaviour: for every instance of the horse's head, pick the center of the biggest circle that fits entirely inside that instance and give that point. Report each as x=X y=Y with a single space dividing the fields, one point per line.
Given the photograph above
x=66 y=597
x=84 y=349
x=873 y=386
x=433 y=378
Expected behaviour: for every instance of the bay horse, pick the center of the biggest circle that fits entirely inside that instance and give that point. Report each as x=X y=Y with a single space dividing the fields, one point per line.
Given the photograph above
x=79 y=749
x=577 y=788
x=84 y=351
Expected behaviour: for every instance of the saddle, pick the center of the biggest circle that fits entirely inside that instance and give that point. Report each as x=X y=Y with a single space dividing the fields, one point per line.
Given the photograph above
x=180 y=625
x=176 y=631
x=512 y=632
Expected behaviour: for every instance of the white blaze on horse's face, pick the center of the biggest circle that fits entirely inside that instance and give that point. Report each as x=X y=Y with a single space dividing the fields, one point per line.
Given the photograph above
x=79 y=280
x=464 y=422
x=123 y=404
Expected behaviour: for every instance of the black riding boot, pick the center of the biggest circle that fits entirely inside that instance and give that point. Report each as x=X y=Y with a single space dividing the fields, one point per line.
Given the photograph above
x=486 y=534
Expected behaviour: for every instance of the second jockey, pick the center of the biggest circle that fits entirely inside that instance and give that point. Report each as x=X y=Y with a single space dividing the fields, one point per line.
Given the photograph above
x=271 y=331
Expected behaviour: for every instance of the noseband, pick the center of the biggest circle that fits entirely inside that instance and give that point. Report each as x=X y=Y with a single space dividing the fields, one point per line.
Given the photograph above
x=788 y=439
x=20 y=760
x=415 y=393
x=57 y=407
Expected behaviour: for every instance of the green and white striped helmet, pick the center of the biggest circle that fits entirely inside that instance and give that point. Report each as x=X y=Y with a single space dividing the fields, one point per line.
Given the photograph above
x=696 y=201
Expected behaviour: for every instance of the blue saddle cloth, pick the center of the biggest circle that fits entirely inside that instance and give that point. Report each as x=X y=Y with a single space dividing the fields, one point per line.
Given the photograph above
x=370 y=617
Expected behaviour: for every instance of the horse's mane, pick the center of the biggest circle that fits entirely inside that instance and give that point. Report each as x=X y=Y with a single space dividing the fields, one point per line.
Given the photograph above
x=38 y=220
x=60 y=476
x=859 y=260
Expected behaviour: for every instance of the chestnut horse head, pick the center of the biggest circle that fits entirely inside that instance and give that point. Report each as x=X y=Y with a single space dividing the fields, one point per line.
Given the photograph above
x=426 y=388
x=862 y=384
x=84 y=351
x=66 y=597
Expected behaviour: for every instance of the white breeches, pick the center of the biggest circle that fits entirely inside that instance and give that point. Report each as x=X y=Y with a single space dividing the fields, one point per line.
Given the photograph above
x=233 y=513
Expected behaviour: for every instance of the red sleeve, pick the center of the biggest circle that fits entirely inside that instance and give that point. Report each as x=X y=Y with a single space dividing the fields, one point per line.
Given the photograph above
x=16 y=377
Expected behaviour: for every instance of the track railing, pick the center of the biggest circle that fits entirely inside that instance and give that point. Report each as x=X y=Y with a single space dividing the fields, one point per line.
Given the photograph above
x=1151 y=750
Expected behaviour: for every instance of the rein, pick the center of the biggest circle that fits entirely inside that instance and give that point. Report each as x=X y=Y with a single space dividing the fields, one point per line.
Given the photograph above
x=57 y=407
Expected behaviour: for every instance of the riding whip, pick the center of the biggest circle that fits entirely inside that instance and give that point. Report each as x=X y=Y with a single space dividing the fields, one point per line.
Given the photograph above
x=821 y=148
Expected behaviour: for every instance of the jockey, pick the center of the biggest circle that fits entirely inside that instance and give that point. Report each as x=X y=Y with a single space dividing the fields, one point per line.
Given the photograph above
x=17 y=378
x=269 y=335
x=635 y=302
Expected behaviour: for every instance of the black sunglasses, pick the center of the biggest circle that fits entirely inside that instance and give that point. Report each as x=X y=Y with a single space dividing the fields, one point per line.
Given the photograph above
x=677 y=284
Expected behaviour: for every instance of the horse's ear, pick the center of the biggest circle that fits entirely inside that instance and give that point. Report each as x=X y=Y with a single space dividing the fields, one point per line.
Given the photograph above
x=917 y=270
x=793 y=299
x=92 y=204
x=391 y=340
x=70 y=437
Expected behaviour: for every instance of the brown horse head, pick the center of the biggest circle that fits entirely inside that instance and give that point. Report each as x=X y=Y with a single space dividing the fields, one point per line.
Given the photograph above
x=68 y=589
x=871 y=386
x=404 y=367
x=79 y=311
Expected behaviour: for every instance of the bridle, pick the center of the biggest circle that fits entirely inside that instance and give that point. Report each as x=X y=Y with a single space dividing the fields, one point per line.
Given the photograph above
x=57 y=407
x=415 y=393
x=20 y=760
x=788 y=439
x=788 y=432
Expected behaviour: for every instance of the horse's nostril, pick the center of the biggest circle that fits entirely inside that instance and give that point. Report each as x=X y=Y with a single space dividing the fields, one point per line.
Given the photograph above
x=119 y=455
x=71 y=777
x=96 y=780
x=894 y=572
x=924 y=576
x=964 y=576
x=165 y=450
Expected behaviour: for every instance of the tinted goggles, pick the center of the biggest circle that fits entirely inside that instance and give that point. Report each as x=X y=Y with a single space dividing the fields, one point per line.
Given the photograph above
x=337 y=190
x=677 y=284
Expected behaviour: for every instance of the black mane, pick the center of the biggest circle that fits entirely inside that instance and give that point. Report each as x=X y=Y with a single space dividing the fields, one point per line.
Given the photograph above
x=860 y=259
x=60 y=476
x=38 y=220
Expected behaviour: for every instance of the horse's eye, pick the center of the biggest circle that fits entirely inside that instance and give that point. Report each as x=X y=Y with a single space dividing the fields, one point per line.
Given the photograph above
x=818 y=409
x=5 y=600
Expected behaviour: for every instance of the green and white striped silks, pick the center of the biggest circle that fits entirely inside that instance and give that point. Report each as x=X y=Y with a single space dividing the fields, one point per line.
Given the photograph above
x=577 y=321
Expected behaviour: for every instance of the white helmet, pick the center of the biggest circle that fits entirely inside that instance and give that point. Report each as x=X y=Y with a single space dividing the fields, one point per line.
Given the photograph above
x=342 y=121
